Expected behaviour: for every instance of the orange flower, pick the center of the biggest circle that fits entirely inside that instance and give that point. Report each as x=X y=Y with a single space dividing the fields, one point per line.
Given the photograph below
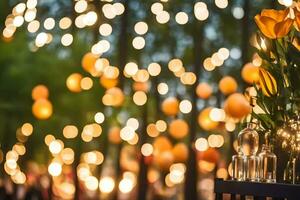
x=274 y=23
x=296 y=43
x=297 y=19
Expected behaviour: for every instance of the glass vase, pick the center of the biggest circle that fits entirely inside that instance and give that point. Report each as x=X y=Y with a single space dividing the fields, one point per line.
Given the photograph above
x=268 y=163
x=238 y=167
x=251 y=168
x=248 y=140
x=292 y=171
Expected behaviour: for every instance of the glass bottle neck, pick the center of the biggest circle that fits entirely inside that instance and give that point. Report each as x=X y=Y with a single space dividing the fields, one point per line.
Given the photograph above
x=251 y=125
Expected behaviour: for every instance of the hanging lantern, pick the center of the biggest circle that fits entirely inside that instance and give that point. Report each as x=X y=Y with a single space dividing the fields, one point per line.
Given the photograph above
x=180 y=152
x=114 y=135
x=88 y=62
x=205 y=122
x=40 y=92
x=108 y=82
x=73 y=82
x=228 y=85
x=237 y=106
x=250 y=73
x=204 y=90
x=42 y=109
x=178 y=128
x=170 y=106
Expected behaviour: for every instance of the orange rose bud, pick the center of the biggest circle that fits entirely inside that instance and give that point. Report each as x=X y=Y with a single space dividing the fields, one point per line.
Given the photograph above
x=274 y=23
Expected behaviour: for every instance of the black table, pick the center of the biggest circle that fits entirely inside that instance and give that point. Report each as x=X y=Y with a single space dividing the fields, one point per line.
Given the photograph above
x=259 y=191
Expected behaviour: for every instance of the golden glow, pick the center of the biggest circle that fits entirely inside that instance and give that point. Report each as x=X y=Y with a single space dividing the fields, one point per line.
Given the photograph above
x=156 y=8
x=86 y=83
x=162 y=17
x=138 y=42
x=147 y=149
x=181 y=18
x=105 y=29
x=139 y=98
x=131 y=68
x=188 y=78
x=18 y=21
x=70 y=131
x=67 y=156
x=48 y=139
x=49 y=23
x=65 y=23
x=185 y=106
x=217 y=115
x=201 y=11
x=106 y=184
x=133 y=123
x=91 y=183
x=215 y=140
x=67 y=39
x=221 y=3
x=33 y=26
x=30 y=15
x=127 y=133
x=80 y=6
x=27 y=129
x=162 y=88
x=141 y=28
x=55 y=168
x=154 y=69
x=201 y=144
x=175 y=65
x=126 y=185
x=161 y=125
x=152 y=130
x=99 y=117
x=56 y=146
x=142 y=75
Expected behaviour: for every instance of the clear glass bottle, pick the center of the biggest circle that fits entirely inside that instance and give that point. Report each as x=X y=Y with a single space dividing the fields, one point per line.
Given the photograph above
x=268 y=163
x=238 y=166
x=248 y=141
x=251 y=168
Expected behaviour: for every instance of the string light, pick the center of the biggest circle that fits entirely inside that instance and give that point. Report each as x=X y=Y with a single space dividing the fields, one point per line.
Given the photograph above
x=181 y=18
x=141 y=28
x=138 y=42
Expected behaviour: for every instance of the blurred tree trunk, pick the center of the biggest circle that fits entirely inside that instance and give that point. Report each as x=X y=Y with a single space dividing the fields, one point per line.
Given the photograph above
x=4 y=12
x=245 y=32
x=122 y=59
x=192 y=169
x=143 y=167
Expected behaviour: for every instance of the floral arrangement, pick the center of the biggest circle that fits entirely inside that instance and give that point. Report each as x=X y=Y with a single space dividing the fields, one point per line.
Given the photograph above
x=278 y=88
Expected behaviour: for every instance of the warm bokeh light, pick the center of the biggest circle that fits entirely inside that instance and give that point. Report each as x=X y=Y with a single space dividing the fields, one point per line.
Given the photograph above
x=27 y=129
x=42 y=109
x=55 y=168
x=139 y=98
x=106 y=184
x=147 y=149
x=73 y=82
x=40 y=92
x=201 y=144
x=70 y=131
